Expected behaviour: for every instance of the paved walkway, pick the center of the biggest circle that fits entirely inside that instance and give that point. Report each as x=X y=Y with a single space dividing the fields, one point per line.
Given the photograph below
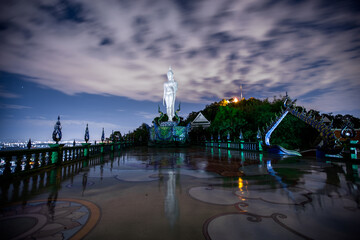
x=192 y=194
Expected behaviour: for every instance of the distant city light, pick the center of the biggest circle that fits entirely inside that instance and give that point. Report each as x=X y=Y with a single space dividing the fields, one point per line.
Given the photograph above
x=236 y=100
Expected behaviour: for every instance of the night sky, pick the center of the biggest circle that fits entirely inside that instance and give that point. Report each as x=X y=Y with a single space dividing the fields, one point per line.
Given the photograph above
x=104 y=62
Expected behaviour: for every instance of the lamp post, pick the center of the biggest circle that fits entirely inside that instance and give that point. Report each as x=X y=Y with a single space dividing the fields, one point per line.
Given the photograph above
x=258 y=138
x=102 y=141
x=219 y=140
x=241 y=138
x=102 y=136
x=56 y=136
x=228 y=145
x=86 y=138
x=112 y=140
x=29 y=143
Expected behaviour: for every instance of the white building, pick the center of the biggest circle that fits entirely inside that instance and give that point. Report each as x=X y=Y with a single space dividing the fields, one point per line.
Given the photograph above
x=200 y=121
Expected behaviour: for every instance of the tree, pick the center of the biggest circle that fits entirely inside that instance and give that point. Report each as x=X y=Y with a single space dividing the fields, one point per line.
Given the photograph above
x=228 y=119
x=252 y=114
x=288 y=133
x=191 y=117
x=116 y=136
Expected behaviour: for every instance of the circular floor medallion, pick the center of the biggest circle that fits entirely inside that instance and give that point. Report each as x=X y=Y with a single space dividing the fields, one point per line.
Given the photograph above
x=50 y=218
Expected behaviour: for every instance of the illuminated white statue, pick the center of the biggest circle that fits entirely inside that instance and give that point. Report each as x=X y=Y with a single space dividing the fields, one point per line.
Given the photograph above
x=170 y=89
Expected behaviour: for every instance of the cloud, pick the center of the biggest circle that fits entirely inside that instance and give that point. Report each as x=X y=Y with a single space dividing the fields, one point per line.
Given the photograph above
x=124 y=48
x=13 y=106
x=146 y=115
x=5 y=94
x=79 y=124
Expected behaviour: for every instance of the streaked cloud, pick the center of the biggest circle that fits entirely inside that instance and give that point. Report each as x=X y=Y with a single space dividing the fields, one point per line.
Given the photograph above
x=13 y=106
x=123 y=48
x=146 y=115
x=5 y=94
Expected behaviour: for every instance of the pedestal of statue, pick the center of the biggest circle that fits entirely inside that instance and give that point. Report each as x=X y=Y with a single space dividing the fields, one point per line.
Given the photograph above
x=168 y=124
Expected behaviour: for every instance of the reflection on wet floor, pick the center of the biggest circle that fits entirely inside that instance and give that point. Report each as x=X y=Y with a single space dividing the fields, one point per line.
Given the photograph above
x=185 y=193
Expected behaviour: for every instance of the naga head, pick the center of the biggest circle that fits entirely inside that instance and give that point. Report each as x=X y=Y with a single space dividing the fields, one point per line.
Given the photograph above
x=178 y=110
x=347 y=130
x=288 y=103
x=286 y=99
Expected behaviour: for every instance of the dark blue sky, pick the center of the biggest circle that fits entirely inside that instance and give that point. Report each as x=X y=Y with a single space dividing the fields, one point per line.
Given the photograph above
x=105 y=62
x=33 y=109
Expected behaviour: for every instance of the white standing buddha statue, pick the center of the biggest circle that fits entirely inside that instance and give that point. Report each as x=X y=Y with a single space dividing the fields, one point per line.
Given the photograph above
x=170 y=89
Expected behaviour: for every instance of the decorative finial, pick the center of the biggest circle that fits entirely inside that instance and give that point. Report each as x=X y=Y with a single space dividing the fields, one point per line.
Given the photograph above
x=87 y=136
x=286 y=99
x=241 y=137
x=103 y=135
x=57 y=131
x=29 y=144
x=258 y=136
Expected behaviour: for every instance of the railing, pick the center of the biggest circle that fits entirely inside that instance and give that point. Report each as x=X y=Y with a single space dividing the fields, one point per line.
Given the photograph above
x=242 y=146
x=21 y=188
x=31 y=160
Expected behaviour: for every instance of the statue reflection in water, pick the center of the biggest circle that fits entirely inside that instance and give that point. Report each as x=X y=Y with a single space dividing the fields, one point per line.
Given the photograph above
x=171 y=202
x=169 y=166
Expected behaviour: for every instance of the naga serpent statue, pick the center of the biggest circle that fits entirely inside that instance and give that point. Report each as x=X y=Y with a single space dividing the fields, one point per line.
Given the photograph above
x=176 y=114
x=162 y=115
x=326 y=133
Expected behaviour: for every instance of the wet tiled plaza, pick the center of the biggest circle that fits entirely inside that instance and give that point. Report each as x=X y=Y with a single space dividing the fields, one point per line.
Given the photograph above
x=186 y=193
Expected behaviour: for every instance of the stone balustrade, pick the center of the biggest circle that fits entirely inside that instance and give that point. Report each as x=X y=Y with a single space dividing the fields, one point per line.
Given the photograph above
x=242 y=146
x=16 y=162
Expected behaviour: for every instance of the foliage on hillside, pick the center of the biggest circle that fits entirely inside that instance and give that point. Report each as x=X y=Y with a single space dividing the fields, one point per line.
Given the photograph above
x=249 y=115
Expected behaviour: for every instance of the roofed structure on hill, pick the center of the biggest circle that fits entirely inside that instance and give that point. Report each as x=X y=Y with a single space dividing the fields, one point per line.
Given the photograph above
x=200 y=121
x=326 y=120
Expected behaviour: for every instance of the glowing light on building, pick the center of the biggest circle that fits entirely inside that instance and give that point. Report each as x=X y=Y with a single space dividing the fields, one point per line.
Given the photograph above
x=241 y=184
x=224 y=102
x=236 y=100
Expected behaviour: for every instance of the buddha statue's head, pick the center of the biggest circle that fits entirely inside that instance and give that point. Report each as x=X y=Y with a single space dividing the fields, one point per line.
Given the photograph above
x=170 y=75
